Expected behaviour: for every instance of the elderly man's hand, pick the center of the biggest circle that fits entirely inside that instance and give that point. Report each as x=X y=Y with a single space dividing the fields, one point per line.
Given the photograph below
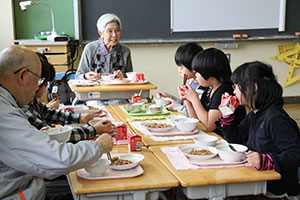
x=106 y=142
x=104 y=126
x=86 y=117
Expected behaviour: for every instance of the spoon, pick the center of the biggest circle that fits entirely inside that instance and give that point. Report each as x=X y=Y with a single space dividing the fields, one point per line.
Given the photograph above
x=108 y=156
x=232 y=148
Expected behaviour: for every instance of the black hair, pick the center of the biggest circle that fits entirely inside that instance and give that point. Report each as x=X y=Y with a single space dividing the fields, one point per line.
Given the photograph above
x=48 y=71
x=213 y=63
x=257 y=84
x=185 y=53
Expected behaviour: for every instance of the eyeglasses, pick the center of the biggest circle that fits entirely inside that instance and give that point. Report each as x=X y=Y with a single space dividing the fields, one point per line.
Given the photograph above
x=41 y=80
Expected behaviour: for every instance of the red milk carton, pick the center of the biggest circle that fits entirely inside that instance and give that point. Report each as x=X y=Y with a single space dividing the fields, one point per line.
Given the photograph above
x=136 y=98
x=134 y=142
x=139 y=77
x=228 y=105
x=121 y=132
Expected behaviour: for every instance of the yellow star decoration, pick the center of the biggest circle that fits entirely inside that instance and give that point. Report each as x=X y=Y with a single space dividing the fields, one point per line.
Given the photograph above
x=290 y=54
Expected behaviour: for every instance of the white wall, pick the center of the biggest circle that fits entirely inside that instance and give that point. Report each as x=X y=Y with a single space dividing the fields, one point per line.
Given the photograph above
x=157 y=62
x=6 y=24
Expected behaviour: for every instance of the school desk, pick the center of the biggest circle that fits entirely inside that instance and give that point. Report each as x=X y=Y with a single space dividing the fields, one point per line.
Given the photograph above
x=156 y=178
x=218 y=183
x=147 y=140
x=107 y=92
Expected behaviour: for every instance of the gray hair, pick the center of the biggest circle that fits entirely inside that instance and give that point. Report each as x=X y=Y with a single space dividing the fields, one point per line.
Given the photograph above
x=14 y=58
x=106 y=19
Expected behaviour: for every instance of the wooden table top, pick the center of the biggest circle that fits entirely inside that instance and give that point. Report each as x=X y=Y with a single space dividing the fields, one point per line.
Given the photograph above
x=212 y=176
x=102 y=87
x=147 y=140
x=155 y=175
x=113 y=114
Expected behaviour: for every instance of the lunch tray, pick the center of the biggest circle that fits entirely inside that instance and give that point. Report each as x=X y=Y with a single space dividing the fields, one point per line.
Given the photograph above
x=144 y=112
x=112 y=174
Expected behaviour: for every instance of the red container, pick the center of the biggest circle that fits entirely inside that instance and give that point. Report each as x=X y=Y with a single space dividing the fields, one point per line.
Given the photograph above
x=121 y=132
x=139 y=77
x=134 y=142
x=136 y=98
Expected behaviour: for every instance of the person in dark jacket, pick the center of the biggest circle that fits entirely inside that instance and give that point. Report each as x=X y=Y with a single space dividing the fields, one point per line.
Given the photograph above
x=272 y=135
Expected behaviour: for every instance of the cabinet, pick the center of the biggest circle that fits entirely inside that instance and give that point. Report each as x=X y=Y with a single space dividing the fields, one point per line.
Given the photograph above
x=57 y=53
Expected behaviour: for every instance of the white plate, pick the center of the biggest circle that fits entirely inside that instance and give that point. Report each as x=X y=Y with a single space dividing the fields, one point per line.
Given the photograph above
x=77 y=125
x=187 y=148
x=112 y=174
x=158 y=129
x=135 y=158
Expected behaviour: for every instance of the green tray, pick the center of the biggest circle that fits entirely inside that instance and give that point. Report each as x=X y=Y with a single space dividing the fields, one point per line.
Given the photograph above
x=144 y=112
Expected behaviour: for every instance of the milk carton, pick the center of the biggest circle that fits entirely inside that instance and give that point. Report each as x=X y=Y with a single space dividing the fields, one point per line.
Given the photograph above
x=134 y=142
x=228 y=105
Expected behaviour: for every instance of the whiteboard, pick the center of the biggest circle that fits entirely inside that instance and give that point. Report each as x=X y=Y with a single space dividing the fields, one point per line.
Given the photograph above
x=215 y=15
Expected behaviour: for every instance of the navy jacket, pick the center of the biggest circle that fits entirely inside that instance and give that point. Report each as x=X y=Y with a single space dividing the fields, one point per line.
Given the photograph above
x=272 y=131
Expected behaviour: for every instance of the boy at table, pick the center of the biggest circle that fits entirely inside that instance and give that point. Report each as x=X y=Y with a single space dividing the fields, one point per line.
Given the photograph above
x=183 y=59
x=27 y=155
x=40 y=116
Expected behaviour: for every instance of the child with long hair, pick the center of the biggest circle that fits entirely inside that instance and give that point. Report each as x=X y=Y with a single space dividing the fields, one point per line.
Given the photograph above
x=273 y=137
x=213 y=72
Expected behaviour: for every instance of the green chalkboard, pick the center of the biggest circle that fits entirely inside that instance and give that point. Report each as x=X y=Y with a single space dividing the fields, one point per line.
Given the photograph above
x=38 y=18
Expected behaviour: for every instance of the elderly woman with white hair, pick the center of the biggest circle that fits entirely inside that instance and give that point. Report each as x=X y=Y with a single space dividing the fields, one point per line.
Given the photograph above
x=105 y=55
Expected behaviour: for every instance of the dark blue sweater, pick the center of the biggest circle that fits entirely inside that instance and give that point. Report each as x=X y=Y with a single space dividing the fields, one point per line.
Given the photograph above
x=272 y=131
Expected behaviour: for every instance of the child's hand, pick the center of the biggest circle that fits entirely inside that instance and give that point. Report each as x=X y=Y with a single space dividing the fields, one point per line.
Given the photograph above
x=54 y=103
x=189 y=93
x=92 y=76
x=170 y=106
x=162 y=94
x=253 y=159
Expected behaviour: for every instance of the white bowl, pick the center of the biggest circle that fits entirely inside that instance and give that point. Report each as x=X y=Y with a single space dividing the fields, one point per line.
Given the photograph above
x=120 y=80
x=76 y=109
x=154 y=108
x=171 y=118
x=186 y=124
x=98 y=168
x=156 y=129
x=205 y=140
x=131 y=76
x=107 y=77
x=227 y=154
x=135 y=158
x=162 y=101
x=60 y=134
x=188 y=148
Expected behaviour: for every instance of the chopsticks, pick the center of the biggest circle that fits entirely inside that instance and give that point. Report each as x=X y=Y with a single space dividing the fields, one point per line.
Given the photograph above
x=108 y=156
x=185 y=76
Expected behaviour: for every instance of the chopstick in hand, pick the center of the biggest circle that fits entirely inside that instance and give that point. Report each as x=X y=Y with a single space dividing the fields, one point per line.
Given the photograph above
x=184 y=78
x=108 y=156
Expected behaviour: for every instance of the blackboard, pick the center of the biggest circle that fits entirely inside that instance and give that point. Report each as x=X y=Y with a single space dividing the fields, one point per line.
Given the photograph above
x=149 y=21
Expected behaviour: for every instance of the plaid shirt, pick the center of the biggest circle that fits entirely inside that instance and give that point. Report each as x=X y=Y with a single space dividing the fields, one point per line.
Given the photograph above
x=39 y=115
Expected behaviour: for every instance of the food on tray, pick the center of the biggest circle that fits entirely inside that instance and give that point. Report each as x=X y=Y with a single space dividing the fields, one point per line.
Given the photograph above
x=158 y=125
x=117 y=161
x=92 y=108
x=200 y=152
